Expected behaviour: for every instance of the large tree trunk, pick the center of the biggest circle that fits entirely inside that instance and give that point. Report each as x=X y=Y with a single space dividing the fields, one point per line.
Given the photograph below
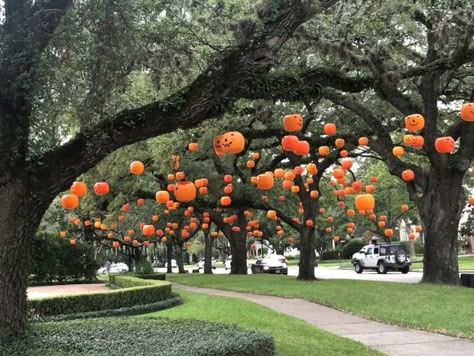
x=307 y=256
x=169 y=257
x=179 y=257
x=238 y=247
x=207 y=252
x=440 y=209
x=17 y=226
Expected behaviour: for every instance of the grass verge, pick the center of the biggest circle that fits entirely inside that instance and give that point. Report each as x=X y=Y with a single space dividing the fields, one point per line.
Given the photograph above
x=292 y=336
x=437 y=308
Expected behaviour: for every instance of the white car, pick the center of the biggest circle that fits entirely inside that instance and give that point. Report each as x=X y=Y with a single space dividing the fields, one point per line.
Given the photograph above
x=382 y=258
x=114 y=268
x=227 y=263
x=201 y=263
x=173 y=264
x=271 y=264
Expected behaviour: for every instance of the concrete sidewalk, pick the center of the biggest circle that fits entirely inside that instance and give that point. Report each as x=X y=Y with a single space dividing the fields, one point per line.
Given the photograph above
x=391 y=340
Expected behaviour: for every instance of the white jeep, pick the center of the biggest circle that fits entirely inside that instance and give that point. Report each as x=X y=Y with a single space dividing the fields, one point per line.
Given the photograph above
x=381 y=258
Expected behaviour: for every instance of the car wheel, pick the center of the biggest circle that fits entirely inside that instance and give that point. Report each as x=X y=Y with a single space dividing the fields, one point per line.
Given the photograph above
x=358 y=268
x=381 y=269
x=400 y=257
x=252 y=269
x=405 y=270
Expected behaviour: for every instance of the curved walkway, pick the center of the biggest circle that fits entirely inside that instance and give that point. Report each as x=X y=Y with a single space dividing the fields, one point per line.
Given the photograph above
x=391 y=340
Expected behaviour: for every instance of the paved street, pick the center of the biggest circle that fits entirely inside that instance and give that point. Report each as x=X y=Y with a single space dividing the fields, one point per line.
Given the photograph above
x=336 y=273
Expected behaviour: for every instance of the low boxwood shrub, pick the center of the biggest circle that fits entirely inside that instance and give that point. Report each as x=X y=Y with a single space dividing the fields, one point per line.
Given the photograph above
x=156 y=276
x=133 y=310
x=133 y=291
x=138 y=336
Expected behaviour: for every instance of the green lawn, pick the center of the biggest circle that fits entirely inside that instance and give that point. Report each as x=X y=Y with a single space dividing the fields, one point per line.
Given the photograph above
x=436 y=308
x=292 y=336
x=465 y=263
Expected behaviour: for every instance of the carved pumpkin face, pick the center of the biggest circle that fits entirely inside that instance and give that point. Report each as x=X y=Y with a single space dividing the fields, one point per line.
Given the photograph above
x=184 y=191
x=408 y=175
x=218 y=145
x=293 y=122
x=418 y=141
x=445 y=144
x=323 y=150
x=265 y=181
x=232 y=142
x=414 y=122
x=467 y=112
x=409 y=140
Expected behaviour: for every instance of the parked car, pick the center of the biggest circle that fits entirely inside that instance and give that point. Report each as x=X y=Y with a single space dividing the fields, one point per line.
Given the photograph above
x=227 y=263
x=200 y=264
x=382 y=258
x=114 y=268
x=173 y=264
x=271 y=264
x=158 y=264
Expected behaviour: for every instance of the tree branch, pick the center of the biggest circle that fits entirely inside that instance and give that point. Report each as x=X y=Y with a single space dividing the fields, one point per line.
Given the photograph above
x=209 y=95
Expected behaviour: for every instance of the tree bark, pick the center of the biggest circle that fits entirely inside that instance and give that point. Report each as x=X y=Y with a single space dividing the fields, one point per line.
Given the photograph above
x=169 y=257
x=307 y=256
x=207 y=252
x=238 y=247
x=440 y=209
x=17 y=226
x=179 y=257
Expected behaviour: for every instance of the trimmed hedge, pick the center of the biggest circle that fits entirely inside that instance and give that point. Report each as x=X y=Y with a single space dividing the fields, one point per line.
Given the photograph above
x=137 y=336
x=155 y=276
x=133 y=291
x=133 y=310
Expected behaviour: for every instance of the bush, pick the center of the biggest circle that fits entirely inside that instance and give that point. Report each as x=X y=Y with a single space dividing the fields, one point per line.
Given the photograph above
x=144 y=267
x=134 y=336
x=419 y=247
x=133 y=310
x=155 y=276
x=55 y=260
x=330 y=255
x=134 y=291
x=352 y=247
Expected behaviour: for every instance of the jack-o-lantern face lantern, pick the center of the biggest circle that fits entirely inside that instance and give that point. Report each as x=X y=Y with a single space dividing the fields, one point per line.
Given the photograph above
x=218 y=145
x=418 y=141
x=265 y=181
x=185 y=191
x=467 y=112
x=293 y=122
x=232 y=142
x=445 y=144
x=409 y=140
x=414 y=122
x=408 y=175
